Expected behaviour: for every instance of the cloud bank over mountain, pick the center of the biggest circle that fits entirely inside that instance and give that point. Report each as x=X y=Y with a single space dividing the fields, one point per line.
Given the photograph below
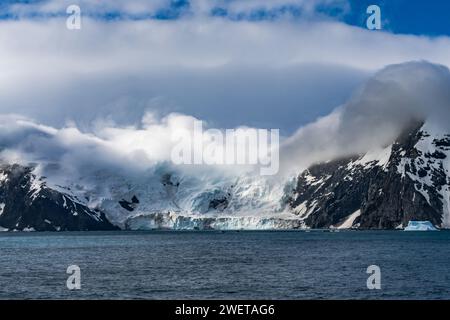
x=230 y=73
x=116 y=89
x=378 y=112
x=374 y=116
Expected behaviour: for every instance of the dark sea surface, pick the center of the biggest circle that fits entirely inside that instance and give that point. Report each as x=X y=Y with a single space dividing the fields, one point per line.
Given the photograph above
x=225 y=265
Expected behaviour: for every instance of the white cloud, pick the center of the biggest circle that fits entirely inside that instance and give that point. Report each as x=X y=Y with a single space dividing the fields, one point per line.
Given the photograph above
x=309 y=8
x=123 y=68
x=126 y=150
x=145 y=9
x=225 y=71
x=389 y=103
x=375 y=115
x=26 y=10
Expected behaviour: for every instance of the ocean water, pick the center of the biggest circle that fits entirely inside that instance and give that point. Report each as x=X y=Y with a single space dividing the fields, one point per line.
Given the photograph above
x=225 y=265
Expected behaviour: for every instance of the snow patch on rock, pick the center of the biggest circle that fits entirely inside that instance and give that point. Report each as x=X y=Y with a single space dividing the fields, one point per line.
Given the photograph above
x=348 y=223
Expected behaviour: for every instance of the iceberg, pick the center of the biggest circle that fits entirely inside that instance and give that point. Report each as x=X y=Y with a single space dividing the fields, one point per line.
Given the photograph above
x=420 y=226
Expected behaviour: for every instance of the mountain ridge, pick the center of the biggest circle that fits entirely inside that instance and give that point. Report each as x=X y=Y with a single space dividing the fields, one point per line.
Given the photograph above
x=27 y=204
x=410 y=181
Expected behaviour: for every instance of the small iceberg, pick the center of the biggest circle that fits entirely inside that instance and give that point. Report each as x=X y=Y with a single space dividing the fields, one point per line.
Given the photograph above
x=420 y=226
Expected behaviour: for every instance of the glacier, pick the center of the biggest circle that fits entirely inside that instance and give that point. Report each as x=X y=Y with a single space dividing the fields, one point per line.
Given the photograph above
x=170 y=197
x=166 y=197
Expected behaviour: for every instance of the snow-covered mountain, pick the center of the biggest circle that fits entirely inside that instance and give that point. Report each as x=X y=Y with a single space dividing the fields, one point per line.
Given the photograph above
x=26 y=203
x=160 y=198
x=382 y=189
x=165 y=197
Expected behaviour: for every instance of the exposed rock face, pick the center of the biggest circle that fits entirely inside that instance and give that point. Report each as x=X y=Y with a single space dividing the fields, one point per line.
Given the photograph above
x=129 y=205
x=384 y=189
x=26 y=203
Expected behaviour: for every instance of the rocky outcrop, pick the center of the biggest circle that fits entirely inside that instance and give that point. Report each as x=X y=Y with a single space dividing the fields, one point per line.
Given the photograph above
x=26 y=203
x=383 y=189
x=129 y=205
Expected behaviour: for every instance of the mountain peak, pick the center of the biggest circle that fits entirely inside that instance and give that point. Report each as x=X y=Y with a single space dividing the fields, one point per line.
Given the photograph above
x=386 y=187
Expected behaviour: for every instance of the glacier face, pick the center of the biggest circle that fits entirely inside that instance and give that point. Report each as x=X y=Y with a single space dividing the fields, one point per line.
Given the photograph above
x=175 y=221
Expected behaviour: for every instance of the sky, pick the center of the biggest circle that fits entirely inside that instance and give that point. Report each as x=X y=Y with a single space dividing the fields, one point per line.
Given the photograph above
x=264 y=63
x=138 y=69
x=417 y=17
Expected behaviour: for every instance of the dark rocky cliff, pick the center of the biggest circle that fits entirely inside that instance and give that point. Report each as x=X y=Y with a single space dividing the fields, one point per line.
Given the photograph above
x=408 y=180
x=26 y=203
